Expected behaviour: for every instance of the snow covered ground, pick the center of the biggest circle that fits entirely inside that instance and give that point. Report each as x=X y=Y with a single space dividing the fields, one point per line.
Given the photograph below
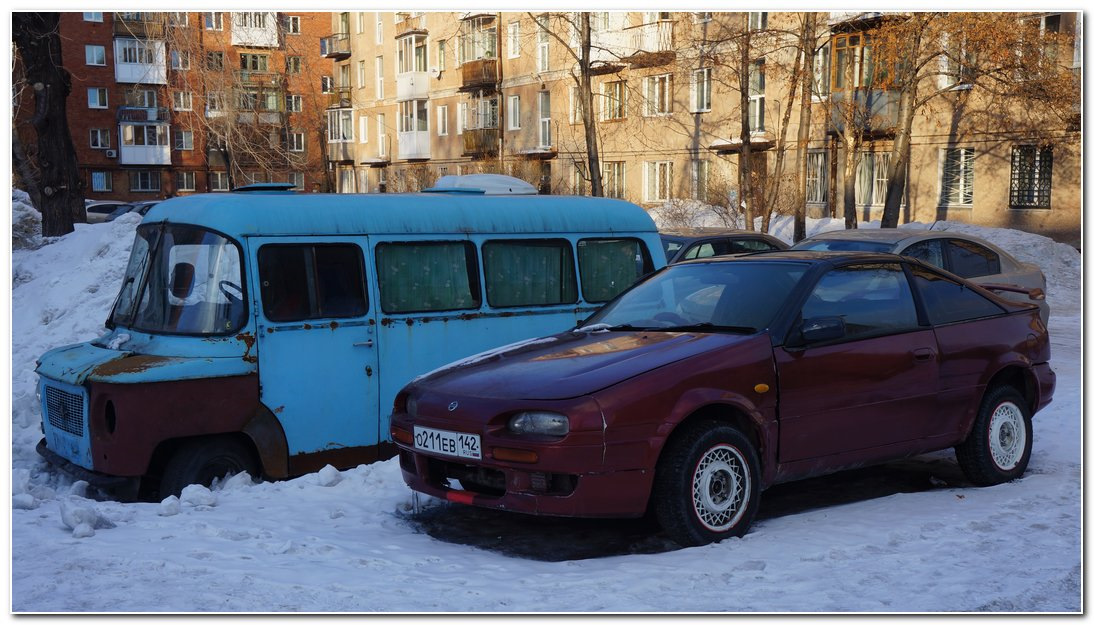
x=358 y=541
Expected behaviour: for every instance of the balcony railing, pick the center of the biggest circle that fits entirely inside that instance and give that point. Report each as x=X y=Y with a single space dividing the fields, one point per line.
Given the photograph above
x=335 y=46
x=480 y=141
x=414 y=145
x=340 y=98
x=340 y=151
x=478 y=74
x=410 y=24
x=143 y=114
x=652 y=44
x=259 y=77
x=140 y=25
x=411 y=86
x=874 y=111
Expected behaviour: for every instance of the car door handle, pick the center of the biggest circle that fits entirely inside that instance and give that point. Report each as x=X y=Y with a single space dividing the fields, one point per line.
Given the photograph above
x=923 y=354
x=367 y=343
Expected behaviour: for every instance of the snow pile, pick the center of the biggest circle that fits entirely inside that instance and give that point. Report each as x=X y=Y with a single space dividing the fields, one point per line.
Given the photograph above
x=26 y=222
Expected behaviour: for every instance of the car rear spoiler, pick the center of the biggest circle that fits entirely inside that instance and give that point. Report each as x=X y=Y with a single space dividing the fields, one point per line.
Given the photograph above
x=1036 y=293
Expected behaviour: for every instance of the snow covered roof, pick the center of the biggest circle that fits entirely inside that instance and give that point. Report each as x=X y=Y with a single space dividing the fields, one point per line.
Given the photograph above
x=488 y=184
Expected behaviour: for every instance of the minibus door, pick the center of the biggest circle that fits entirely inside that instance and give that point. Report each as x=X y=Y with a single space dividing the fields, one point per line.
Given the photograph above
x=316 y=345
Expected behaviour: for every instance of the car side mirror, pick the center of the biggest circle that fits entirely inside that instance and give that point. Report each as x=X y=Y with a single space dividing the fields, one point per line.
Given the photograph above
x=820 y=329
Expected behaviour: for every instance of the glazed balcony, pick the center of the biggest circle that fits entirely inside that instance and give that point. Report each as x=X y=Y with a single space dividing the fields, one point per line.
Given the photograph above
x=414 y=145
x=874 y=111
x=259 y=78
x=335 y=46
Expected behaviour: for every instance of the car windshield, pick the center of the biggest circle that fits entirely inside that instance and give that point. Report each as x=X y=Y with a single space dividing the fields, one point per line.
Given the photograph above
x=182 y=280
x=843 y=245
x=707 y=297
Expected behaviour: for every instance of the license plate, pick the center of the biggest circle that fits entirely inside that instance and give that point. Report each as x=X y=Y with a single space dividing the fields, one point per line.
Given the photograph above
x=457 y=444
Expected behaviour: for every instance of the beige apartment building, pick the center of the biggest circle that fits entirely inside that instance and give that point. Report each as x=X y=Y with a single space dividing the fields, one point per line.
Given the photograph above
x=416 y=95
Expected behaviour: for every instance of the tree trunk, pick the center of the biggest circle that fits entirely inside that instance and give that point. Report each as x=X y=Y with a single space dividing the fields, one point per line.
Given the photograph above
x=744 y=161
x=588 y=117
x=850 y=166
x=809 y=53
x=25 y=169
x=898 y=162
x=37 y=38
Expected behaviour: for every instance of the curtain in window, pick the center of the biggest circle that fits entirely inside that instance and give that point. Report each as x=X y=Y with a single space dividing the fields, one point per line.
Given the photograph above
x=419 y=277
x=608 y=266
x=529 y=273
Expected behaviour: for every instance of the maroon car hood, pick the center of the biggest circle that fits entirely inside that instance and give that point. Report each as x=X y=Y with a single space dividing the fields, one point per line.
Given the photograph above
x=573 y=364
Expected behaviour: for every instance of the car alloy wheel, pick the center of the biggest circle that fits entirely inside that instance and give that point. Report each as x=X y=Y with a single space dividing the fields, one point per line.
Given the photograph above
x=720 y=487
x=1007 y=436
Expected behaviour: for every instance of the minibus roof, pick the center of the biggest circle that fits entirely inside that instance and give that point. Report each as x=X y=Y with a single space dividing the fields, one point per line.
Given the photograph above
x=274 y=214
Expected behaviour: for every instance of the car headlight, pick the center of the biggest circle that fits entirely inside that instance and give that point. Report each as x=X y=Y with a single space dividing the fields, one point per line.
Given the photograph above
x=412 y=406
x=548 y=423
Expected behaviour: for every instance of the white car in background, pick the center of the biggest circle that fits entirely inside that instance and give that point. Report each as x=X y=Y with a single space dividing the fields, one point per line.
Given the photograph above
x=99 y=210
x=967 y=256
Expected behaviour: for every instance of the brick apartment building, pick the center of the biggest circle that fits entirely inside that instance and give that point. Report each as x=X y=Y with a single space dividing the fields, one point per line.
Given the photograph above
x=169 y=103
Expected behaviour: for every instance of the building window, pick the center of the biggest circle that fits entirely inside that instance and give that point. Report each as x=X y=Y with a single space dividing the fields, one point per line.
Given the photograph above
x=184 y=139
x=214 y=101
x=102 y=180
x=757 y=84
x=1030 y=176
x=362 y=134
x=615 y=98
x=442 y=120
x=543 y=44
x=658 y=181
x=513 y=41
x=461 y=117
x=612 y=178
x=185 y=181
x=340 y=125
x=659 y=94
x=757 y=20
x=251 y=19
x=178 y=19
x=381 y=135
x=872 y=179
x=90 y=16
x=214 y=21
x=413 y=116
x=701 y=178
x=254 y=62
x=479 y=39
x=100 y=138
x=379 y=78
x=180 y=60
x=411 y=54
x=545 y=119
x=702 y=17
x=141 y=98
x=957 y=177
x=296 y=142
x=294 y=64
x=816 y=177
x=297 y=179
x=144 y=181
x=294 y=103
x=218 y=181
x=822 y=77
x=96 y=98
x=144 y=134
x=182 y=100
x=326 y=84
x=214 y=61
x=343 y=76
x=134 y=51
x=955 y=64
x=292 y=25
x=362 y=74
x=441 y=62
x=379 y=28
x=700 y=90
x=513 y=113
x=95 y=55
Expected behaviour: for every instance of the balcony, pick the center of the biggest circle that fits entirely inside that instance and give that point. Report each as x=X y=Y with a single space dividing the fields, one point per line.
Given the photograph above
x=412 y=86
x=480 y=142
x=260 y=117
x=479 y=74
x=340 y=98
x=259 y=78
x=410 y=24
x=335 y=46
x=255 y=33
x=142 y=114
x=414 y=145
x=151 y=65
x=144 y=144
x=140 y=25
x=652 y=44
x=874 y=111
x=340 y=151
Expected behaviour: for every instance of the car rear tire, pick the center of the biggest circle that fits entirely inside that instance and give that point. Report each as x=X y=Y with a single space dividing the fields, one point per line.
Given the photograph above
x=707 y=485
x=204 y=460
x=998 y=447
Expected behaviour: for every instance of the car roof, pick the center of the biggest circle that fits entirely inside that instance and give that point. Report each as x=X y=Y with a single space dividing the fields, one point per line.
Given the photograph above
x=708 y=232
x=811 y=256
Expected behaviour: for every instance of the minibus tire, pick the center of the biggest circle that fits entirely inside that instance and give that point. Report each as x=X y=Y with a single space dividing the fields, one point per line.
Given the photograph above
x=202 y=460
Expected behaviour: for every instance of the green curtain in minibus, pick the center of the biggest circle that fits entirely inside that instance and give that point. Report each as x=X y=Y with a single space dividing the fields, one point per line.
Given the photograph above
x=529 y=272
x=608 y=266
x=421 y=277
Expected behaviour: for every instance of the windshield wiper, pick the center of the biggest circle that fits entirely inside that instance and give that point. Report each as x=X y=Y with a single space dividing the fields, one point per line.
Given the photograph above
x=707 y=326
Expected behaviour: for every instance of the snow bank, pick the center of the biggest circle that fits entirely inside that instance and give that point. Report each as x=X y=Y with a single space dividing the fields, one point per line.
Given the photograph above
x=26 y=222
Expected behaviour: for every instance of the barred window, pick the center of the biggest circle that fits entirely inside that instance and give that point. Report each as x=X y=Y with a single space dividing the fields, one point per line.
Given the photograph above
x=1030 y=177
x=957 y=177
x=816 y=177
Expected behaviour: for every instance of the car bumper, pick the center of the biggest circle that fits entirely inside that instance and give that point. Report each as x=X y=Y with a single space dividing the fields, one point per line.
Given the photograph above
x=121 y=488
x=1046 y=381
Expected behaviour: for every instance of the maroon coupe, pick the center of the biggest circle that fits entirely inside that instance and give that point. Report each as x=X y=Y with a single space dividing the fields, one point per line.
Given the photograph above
x=712 y=380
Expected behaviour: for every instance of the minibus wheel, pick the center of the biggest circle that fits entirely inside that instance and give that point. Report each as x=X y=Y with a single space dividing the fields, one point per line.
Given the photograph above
x=203 y=460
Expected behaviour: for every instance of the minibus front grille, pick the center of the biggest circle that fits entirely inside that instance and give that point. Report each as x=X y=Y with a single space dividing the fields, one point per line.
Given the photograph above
x=65 y=410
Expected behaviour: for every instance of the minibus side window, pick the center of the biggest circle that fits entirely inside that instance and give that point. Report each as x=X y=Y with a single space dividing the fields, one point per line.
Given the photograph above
x=529 y=272
x=427 y=276
x=311 y=281
x=608 y=266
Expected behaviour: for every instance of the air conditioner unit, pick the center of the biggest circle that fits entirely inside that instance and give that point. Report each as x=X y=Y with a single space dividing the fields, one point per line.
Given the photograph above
x=112 y=154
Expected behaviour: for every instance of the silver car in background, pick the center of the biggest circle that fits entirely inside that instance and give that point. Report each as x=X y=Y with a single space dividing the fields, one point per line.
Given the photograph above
x=967 y=256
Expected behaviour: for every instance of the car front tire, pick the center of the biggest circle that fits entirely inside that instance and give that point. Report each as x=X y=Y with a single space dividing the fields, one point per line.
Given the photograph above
x=204 y=460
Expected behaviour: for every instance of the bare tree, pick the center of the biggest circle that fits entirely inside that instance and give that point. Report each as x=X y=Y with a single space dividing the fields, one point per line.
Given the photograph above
x=808 y=44
x=38 y=42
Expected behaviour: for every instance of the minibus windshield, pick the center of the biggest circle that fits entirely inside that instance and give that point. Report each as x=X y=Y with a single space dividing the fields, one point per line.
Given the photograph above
x=182 y=280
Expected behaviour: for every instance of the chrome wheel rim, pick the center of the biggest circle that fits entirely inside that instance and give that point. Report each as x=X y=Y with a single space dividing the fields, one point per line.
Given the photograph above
x=721 y=487
x=1007 y=436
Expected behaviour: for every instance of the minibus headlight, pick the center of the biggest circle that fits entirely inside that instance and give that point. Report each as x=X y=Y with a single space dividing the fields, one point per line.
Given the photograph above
x=548 y=423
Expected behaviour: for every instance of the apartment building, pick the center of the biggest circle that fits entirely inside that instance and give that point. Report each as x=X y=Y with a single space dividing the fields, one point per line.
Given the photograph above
x=416 y=95
x=169 y=103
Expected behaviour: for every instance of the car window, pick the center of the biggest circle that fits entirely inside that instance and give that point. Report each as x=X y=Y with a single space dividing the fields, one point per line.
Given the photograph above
x=838 y=245
x=311 y=281
x=738 y=246
x=929 y=251
x=970 y=260
x=608 y=266
x=671 y=247
x=426 y=276
x=872 y=299
x=529 y=272
x=949 y=301
x=702 y=250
